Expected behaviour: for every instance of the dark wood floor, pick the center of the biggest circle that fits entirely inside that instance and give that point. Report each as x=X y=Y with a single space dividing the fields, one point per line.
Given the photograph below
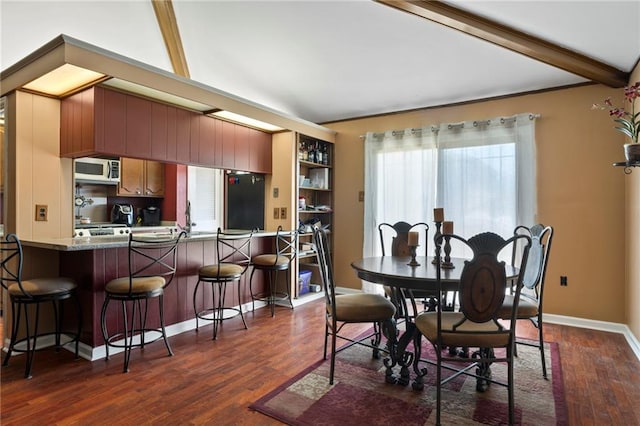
x=213 y=382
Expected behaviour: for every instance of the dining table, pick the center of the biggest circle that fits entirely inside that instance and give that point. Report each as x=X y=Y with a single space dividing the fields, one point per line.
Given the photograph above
x=404 y=275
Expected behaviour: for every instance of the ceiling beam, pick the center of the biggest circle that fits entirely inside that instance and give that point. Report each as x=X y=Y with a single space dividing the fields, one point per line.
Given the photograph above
x=172 y=41
x=512 y=39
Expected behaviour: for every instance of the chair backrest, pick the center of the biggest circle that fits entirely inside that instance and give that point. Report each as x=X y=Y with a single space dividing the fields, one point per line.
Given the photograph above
x=394 y=238
x=11 y=258
x=287 y=243
x=541 y=238
x=153 y=256
x=483 y=281
x=325 y=267
x=234 y=247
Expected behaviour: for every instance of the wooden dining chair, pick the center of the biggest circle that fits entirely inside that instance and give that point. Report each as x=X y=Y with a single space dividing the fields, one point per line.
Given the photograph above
x=343 y=309
x=477 y=325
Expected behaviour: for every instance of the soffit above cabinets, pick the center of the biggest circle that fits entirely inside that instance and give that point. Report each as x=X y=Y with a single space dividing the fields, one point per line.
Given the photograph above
x=64 y=55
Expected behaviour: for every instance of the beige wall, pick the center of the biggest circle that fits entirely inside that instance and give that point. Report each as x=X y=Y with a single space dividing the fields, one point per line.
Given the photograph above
x=579 y=193
x=41 y=176
x=632 y=185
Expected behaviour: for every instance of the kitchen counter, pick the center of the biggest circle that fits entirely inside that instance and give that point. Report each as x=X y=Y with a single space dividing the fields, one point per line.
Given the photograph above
x=102 y=242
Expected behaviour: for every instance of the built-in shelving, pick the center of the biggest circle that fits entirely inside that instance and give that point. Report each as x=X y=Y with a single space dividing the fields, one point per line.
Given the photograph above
x=315 y=197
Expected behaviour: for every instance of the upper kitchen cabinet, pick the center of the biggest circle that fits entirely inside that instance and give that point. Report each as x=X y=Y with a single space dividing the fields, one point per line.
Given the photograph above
x=101 y=121
x=141 y=178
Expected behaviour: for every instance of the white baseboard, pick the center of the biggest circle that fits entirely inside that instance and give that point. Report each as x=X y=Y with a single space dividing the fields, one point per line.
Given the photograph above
x=93 y=354
x=612 y=327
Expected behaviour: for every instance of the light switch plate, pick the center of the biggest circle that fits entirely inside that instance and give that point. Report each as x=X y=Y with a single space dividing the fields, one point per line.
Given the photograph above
x=276 y=213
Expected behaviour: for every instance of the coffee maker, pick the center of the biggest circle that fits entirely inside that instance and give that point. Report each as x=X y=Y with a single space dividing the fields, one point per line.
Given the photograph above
x=122 y=214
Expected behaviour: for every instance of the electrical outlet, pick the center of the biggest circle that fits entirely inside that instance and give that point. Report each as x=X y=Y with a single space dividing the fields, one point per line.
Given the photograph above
x=41 y=212
x=361 y=196
x=283 y=213
x=563 y=280
x=276 y=213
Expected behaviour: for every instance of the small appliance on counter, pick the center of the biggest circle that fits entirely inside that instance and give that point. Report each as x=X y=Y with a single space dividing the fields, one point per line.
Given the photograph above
x=150 y=216
x=122 y=213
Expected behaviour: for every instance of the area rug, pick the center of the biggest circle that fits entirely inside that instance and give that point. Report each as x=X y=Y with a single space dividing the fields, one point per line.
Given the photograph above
x=360 y=395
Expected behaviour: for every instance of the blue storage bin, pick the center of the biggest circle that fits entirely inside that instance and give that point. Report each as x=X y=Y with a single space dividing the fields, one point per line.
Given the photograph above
x=304 y=279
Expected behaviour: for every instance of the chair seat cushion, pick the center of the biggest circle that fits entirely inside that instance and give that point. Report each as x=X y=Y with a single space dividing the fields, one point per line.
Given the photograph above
x=526 y=308
x=269 y=260
x=363 y=307
x=138 y=285
x=43 y=286
x=427 y=323
x=222 y=270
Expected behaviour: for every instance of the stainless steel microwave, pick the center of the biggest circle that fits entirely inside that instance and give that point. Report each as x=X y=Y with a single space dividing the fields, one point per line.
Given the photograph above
x=96 y=170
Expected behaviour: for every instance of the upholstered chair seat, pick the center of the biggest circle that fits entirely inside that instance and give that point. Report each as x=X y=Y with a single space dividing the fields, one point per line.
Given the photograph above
x=363 y=307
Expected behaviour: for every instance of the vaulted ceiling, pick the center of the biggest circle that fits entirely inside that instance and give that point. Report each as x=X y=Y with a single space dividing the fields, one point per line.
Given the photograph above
x=324 y=60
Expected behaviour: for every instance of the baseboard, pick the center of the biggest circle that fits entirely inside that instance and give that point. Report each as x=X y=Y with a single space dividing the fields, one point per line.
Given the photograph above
x=92 y=354
x=612 y=327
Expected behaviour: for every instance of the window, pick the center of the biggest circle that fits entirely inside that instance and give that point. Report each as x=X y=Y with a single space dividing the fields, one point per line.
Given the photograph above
x=205 y=193
x=481 y=173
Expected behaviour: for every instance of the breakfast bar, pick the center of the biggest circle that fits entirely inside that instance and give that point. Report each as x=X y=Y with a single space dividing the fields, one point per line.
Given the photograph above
x=94 y=261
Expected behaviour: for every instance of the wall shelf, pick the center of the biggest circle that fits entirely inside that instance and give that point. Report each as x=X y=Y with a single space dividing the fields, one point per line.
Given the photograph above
x=627 y=165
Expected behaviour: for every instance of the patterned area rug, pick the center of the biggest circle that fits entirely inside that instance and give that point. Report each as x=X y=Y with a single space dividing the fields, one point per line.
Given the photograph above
x=360 y=395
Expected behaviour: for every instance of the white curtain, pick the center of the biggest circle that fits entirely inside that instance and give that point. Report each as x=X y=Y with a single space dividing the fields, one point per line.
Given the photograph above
x=481 y=172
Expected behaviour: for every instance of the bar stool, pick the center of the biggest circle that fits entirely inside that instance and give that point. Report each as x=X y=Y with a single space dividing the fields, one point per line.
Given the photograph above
x=233 y=258
x=25 y=293
x=152 y=267
x=286 y=247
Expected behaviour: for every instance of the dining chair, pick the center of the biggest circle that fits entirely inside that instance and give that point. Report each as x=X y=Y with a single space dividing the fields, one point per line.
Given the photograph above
x=233 y=255
x=531 y=297
x=286 y=251
x=394 y=242
x=25 y=293
x=343 y=309
x=482 y=287
x=152 y=263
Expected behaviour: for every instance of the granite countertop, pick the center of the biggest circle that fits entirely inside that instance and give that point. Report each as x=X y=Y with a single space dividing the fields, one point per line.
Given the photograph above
x=96 y=243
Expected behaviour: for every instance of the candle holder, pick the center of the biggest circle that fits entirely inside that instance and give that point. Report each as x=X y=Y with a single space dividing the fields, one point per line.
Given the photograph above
x=414 y=262
x=435 y=239
x=446 y=263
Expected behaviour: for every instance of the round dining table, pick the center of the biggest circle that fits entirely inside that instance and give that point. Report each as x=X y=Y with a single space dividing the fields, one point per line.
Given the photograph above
x=403 y=277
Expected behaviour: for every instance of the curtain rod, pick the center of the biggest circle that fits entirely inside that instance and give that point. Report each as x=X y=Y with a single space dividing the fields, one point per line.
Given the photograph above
x=476 y=123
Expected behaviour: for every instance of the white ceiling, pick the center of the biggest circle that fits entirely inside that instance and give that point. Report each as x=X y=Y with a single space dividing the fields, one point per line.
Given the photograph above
x=327 y=60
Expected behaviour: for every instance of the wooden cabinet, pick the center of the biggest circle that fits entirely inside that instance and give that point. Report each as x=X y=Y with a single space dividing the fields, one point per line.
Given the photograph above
x=141 y=178
x=101 y=121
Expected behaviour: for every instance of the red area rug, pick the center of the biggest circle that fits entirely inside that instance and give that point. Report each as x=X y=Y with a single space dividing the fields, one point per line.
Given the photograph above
x=360 y=395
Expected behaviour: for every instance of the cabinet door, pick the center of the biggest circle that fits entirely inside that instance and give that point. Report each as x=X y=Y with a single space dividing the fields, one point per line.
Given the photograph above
x=207 y=149
x=241 y=150
x=138 y=127
x=131 y=177
x=259 y=151
x=154 y=179
x=159 y=131
x=110 y=121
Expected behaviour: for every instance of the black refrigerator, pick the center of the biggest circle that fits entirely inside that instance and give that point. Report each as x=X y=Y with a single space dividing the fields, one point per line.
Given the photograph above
x=245 y=201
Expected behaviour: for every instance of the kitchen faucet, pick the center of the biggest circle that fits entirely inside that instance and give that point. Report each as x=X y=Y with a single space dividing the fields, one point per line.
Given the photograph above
x=188 y=225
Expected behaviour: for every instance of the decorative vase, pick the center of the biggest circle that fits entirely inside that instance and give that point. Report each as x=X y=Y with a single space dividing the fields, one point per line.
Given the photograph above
x=632 y=152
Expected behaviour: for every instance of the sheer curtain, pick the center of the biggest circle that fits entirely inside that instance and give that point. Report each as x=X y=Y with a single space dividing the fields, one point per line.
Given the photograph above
x=481 y=172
